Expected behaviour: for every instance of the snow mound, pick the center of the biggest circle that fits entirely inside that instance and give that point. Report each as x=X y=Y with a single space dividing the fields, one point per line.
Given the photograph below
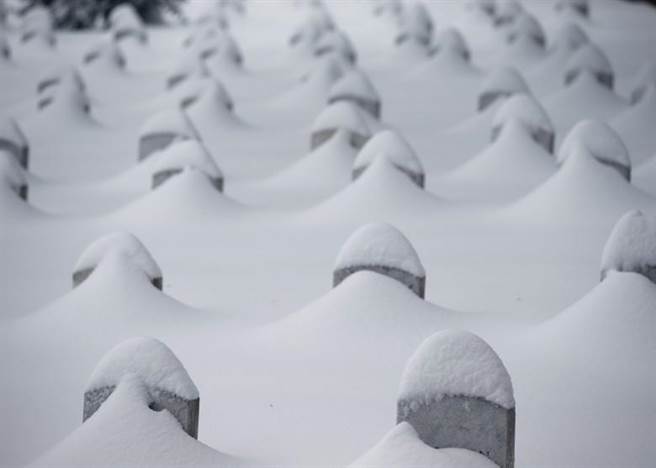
x=646 y=78
x=335 y=42
x=67 y=100
x=148 y=358
x=105 y=55
x=635 y=125
x=354 y=85
x=580 y=7
x=168 y=121
x=189 y=66
x=391 y=145
x=57 y=75
x=451 y=39
x=126 y=22
x=601 y=141
x=122 y=244
x=507 y=11
x=631 y=246
x=403 y=447
x=569 y=38
x=501 y=82
x=379 y=244
x=526 y=25
x=593 y=60
x=344 y=115
x=527 y=110
x=185 y=153
x=456 y=363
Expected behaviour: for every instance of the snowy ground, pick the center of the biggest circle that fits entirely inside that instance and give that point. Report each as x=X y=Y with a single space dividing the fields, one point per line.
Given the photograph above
x=290 y=371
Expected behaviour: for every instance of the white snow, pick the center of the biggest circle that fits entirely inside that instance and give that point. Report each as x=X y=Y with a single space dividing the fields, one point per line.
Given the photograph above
x=591 y=58
x=124 y=244
x=456 y=363
x=354 y=83
x=526 y=110
x=13 y=176
x=505 y=79
x=341 y=114
x=631 y=245
x=149 y=359
x=599 y=139
x=185 y=153
x=379 y=244
x=392 y=145
x=168 y=121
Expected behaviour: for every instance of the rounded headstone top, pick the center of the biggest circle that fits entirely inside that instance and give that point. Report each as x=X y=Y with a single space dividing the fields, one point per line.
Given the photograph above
x=524 y=108
x=631 y=246
x=379 y=244
x=125 y=16
x=526 y=25
x=505 y=79
x=389 y=144
x=450 y=38
x=599 y=139
x=186 y=153
x=123 y=244
x=168 y=121
x=107 y=53
x=341 y=114
x=456 y=363
x=570 y=37
x=354 y=83
x=150 y=360
x=335 y=42
x=591 y=58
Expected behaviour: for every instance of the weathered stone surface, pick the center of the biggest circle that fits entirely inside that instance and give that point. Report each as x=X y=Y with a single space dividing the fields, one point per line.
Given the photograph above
x=416 y=284
x=464 y=422
x=185 y=411
x=81 y=275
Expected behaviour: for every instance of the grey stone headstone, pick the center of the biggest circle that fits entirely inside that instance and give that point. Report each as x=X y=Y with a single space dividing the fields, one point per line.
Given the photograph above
x=320 y=137
x=369 y=105
x=416 y=177
x=152 y=142
x=464 y=422
x=417 y=284
x=185 y=411
x=81 y=275
x=162 y=176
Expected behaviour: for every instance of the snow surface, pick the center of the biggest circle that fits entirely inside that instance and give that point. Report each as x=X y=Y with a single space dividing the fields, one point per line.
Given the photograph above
x=525 y=109
x=150 y=360
x=379 y=244
x=631 y=245
x=354 y=83
x=182 y=154
x=455 y=363
x=124 y=244
x=392 y=145
x=341 y=114
x=599 y=139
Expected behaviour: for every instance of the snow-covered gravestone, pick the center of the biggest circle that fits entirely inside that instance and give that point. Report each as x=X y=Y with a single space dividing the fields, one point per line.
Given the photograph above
x=13 y=175
x=600 y=141
x=580 y=7
x=342 y=115
x=13 y=141
x=356 y=87
x=500 y=83
x=450 y=39
x=381 y=248
x=507 y=11
x=589 y=59
x=123 y=244
x=525 y=25
x=181 y=155
x=391 y=145
x=106 y=54
x=168 y=383
x=126 y=23
x=527 y=110
x=456 y=392
x=189 y=66
x=631 y=246
x=568 y=38
x=37 y=28
x=64 y=96
x=646 y=78
x=335 y=42
x=162 y=129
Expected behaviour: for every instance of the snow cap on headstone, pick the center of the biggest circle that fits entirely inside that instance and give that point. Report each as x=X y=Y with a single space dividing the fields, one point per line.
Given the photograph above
x=58 y=74
x=66 y=96
x=151 y=360
x=189 y=66
x=591 y=59
x=340 y=115
x=390 y=144
x=451 y=39
x=38 y=28
x=161 y=129
x=181 y=155
x=631 y=246
x=379 y=244
x=501 y=83
x=570 y=37
x=580 y=7
x=335 y=42
x=355 y=86
x=456 y=363
x=506 y=11
x=646 y=78
x=526 y=25
x=601 y=142
x=126 y=22
x=415 y=22
x=105 y=54
x=527 y=110
x=121 y=244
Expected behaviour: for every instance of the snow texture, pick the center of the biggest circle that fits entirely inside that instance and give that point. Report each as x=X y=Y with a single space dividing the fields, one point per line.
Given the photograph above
x=389 y=144
x=185 y=153
x=631 y=245
x=456 y=363
x=341 y=114
x=599 y=139
x=524 y=108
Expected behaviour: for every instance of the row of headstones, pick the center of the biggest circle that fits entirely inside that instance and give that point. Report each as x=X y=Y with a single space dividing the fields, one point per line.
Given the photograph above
x=442 y=393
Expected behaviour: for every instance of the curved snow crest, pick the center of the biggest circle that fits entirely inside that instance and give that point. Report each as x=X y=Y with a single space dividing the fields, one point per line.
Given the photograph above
x=451 y=39
x=168 y=121
x=599 y=140
x=569 y=38
x=501 y=82
x=355 y=85
x=341 y=114
x=151 y=360
x=631 y=246
x=527 y=110
x=12 y=174
x=526 y=25
x=402 y=447
x=592 y=59
x=186 y=153
x=123 y=244
x=456 y=363
x=392 y=145
x=380 y=244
